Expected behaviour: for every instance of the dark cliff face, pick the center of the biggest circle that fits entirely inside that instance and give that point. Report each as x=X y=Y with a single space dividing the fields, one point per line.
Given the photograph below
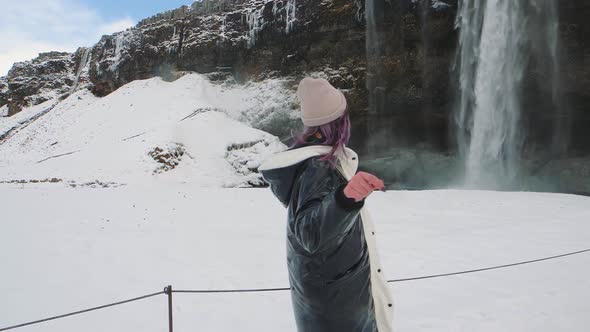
x=3 y=91
x=257 y=39
x=413 y=85
x=413 y=91
x=574 y=31
x=250 y=39
x=33 y=82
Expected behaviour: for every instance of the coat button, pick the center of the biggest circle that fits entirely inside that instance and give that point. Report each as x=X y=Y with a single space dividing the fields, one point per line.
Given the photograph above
x=378 y=270
x=353 y=158
x=373 y=233
x=390 y=305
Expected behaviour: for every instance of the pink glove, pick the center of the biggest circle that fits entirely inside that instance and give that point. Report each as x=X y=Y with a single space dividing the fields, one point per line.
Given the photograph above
x=361 y=185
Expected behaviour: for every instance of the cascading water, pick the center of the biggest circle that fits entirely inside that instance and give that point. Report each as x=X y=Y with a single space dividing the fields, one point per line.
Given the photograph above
x=545 y=46
x=495 y=137
x=359 y=10
x=291 y=15
x=495 y=49
x=222 y=30
x=469 y=20
x=372 y=53
x=83 y=63
x=253 y=19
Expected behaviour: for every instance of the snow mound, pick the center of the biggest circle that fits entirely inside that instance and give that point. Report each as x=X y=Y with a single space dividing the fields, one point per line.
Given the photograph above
x=181 y=131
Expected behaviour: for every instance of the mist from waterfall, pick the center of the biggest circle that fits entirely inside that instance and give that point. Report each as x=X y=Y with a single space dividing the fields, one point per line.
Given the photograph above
x=497 y=41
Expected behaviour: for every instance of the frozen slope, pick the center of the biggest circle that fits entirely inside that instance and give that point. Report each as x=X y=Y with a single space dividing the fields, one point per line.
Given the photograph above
x=83 y=247
x=85 y=138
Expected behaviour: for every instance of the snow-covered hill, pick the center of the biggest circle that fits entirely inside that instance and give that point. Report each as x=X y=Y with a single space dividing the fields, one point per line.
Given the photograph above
x=189 y=130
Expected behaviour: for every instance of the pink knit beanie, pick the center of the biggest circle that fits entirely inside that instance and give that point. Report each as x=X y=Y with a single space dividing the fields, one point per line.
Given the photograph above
x=321 y=103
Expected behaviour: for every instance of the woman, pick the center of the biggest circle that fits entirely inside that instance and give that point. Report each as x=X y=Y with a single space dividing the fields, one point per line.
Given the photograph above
x=337 y=283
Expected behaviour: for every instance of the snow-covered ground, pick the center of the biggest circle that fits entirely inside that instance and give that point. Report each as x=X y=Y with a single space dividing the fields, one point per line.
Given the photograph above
x=64 y=249
x=139 y=203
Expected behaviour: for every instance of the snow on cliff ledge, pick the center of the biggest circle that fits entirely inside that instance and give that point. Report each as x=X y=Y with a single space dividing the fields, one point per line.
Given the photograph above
x=181 y=131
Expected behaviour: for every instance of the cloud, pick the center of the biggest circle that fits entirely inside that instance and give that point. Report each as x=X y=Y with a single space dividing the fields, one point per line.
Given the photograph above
x=120 y=25
x=29 y=27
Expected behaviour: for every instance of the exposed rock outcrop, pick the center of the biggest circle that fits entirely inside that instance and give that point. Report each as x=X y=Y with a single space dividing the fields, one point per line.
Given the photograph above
x=4 y=91
x=51 y=75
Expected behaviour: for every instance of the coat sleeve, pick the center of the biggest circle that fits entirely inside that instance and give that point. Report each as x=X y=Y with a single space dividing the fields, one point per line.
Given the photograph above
x=323 y=214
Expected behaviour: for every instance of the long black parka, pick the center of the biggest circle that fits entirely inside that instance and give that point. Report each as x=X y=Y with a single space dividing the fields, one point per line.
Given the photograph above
x=327 y=255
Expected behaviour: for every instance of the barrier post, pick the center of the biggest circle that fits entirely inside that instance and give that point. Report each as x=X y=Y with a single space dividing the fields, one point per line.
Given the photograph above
x=168 y=291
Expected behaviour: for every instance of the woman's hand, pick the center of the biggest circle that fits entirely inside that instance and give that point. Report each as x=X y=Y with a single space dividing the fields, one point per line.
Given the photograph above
x=361 y=185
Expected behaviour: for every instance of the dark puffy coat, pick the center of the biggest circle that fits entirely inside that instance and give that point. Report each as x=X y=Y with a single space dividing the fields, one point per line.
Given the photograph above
x=327 y=254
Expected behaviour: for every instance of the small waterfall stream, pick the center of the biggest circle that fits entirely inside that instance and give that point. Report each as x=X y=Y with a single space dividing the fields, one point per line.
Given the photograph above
x=255 y=19
x=373 y=47
x=291 y=15
x=83 y=63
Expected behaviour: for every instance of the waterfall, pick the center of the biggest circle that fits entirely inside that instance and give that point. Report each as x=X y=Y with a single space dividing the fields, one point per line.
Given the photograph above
x=359 y=10
x=291 y=15
x=122 y=41
x=469 y=20
x=372 y=53
x=81 y=67
x=255 y=21
x=222 y=30
x=545 y=47
x=496 y=45
x=495 y=136
x=119 y=39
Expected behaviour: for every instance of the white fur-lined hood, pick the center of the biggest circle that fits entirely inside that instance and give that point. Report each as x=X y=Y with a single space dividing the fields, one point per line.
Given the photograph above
x=292 y=157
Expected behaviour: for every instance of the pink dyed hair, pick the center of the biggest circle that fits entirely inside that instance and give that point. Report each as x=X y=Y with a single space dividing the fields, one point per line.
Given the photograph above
x=335 y=134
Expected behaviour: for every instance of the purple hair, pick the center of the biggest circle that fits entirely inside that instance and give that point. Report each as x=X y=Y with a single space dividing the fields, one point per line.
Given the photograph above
x=335 y=134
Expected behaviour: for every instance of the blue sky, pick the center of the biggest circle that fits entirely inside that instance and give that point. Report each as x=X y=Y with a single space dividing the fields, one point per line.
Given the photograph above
x=28 y=27
x=136 y=9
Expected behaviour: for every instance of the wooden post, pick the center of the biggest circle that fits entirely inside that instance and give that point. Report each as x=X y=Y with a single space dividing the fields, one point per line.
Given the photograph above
x=168 y=291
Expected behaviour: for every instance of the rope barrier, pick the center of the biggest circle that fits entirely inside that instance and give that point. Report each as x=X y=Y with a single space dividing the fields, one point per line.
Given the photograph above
x=390 y=281
x=233 y=290
x=168 y=290
x=81 y=311
x=489 y=268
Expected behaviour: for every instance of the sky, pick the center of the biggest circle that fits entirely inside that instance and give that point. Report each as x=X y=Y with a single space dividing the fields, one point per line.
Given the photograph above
x=28 y=27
